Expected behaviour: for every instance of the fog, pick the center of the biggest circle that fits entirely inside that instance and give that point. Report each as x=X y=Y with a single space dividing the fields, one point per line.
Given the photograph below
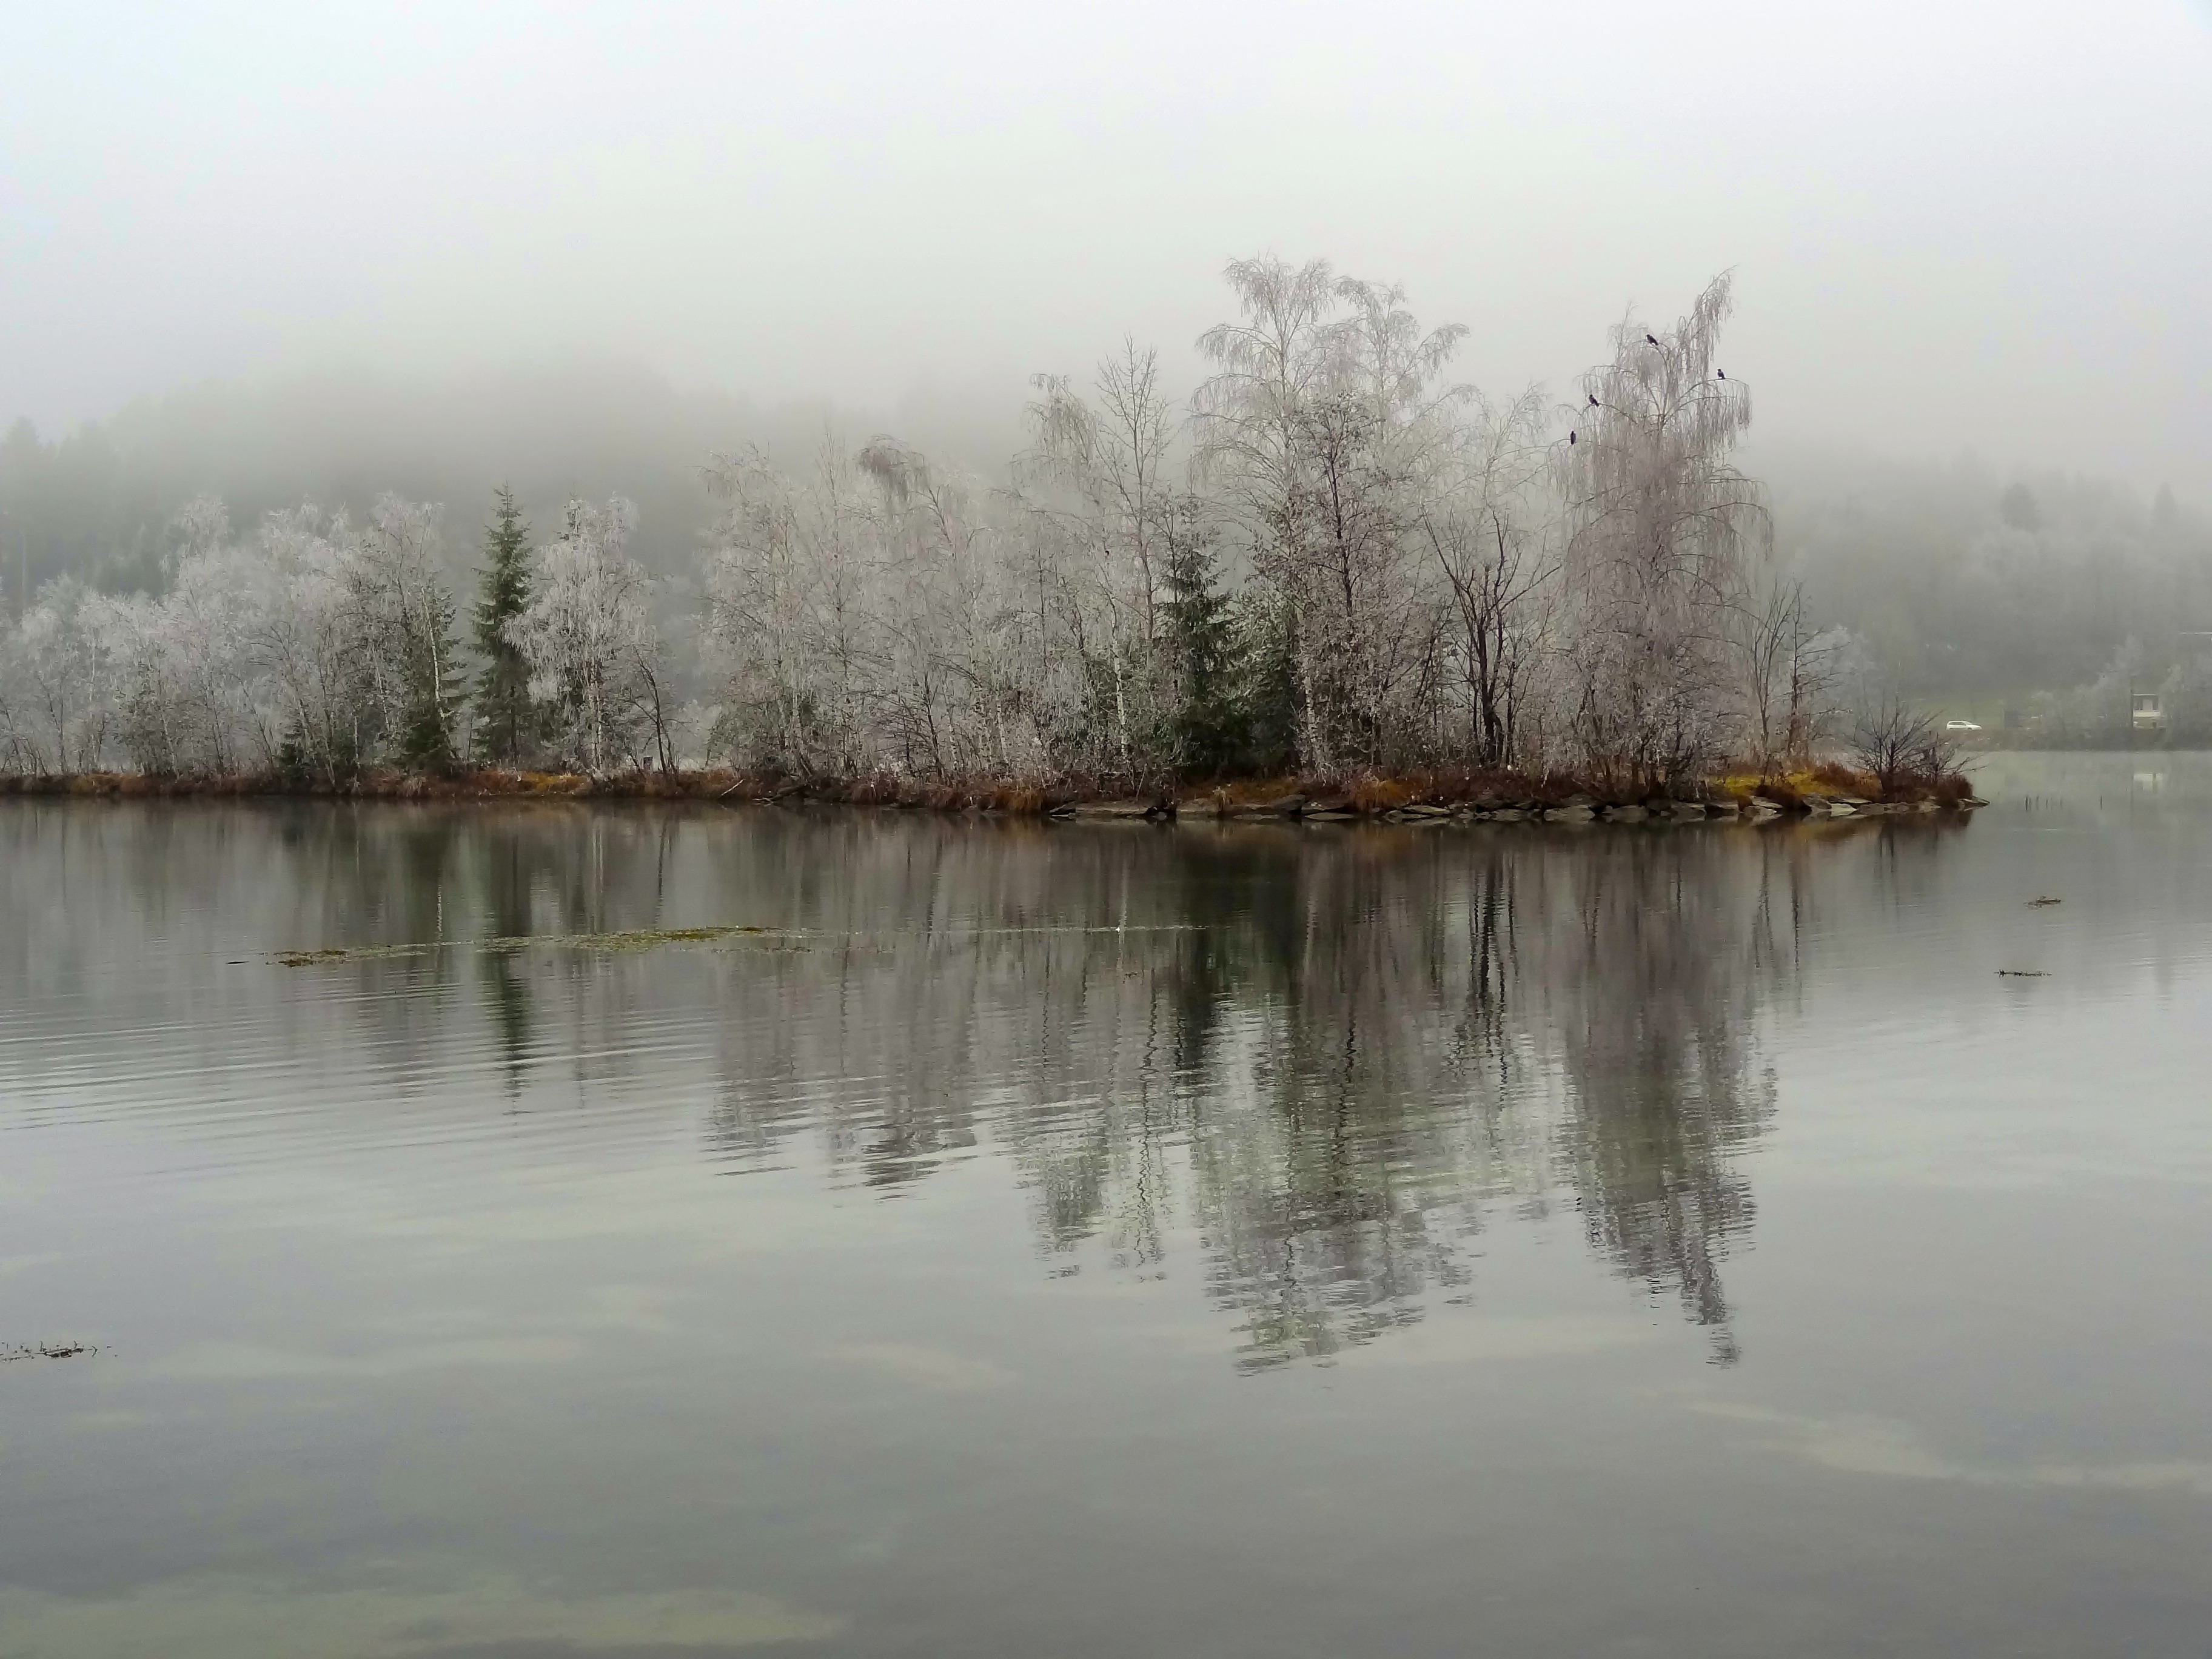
x=317 y=256
x=1967 y=228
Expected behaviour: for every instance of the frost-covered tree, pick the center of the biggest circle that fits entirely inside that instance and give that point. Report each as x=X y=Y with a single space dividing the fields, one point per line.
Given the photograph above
x=1662 y=529
x=1492 y=531
x=794 y=583
x=57 y=701
x=197 y=694
x=313 y=646
x=405 y=615
x=883 y=611
x=1269 y=368
x=594 y=648
x=964 y=691
x=1321 y=427
x=312 y=638
x=1099 y=468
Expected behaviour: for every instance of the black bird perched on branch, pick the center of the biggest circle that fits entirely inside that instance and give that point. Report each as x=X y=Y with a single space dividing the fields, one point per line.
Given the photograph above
x=1570 y=437
x=1592 y=397
x=1722 y=372
x=1650 y=339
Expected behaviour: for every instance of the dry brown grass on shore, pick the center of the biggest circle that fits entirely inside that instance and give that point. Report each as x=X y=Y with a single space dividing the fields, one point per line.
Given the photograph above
x=1831 y=779
x=1363 y=792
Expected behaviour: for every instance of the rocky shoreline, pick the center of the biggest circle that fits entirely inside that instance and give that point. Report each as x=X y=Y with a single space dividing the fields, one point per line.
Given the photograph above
x=1420 y=800
x=1754 y=808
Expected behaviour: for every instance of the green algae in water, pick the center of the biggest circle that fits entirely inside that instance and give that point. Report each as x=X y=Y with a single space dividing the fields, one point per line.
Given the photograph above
x=636 y=939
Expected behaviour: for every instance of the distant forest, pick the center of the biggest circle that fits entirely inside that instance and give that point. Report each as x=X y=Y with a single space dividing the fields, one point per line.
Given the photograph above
x=1330 y=556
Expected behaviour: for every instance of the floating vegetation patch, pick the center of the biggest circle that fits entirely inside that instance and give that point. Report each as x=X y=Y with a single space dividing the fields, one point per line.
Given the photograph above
x=646 y=939
x=9 y=1351
x=2022 y=973
x=2039 y=902
x=636 y=938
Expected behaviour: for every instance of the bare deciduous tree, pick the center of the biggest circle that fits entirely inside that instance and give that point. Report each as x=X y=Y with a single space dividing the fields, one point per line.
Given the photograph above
x=1489 y=534
x=405 y=613
x=1663 y=529
x=1900 y=743
x=1320 y=425
x=1786 y=675
x=1109 y=462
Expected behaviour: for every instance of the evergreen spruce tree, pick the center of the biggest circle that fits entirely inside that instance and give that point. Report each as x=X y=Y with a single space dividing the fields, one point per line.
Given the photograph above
x=1206 y=727
x=1267 y=682
x=505 y=716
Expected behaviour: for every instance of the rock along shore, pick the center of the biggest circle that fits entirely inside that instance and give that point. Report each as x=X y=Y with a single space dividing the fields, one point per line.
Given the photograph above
x=1577 y=809
x=1417 y=801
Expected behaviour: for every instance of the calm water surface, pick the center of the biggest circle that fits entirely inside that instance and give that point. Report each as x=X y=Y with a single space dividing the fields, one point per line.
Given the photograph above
x=1108 y=1241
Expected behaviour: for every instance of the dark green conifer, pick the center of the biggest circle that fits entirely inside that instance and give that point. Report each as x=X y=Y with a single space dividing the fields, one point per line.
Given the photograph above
x=505 y=715
x=1206 y=724
x=1267 y=681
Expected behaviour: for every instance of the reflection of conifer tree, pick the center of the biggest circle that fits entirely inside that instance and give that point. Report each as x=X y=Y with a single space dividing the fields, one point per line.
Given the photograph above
x=425 y=860
x=401 y=869
x=506 y=888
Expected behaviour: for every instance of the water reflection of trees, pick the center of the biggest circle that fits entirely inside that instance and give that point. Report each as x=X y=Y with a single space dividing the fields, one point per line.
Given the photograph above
x=1337 y=1057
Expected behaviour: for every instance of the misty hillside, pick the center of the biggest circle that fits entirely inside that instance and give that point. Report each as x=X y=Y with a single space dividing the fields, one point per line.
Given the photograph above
x=1964 y=580
x=99 y=501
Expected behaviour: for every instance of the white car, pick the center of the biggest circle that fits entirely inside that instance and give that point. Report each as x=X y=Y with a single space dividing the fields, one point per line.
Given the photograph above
x=1960 y=725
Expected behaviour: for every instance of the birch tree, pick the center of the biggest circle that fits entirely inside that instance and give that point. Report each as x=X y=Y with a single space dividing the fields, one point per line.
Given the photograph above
x=793 y=581
x=962 y=694
x=1663 y=529
x=405 y=615
x=1321 y=425
x=312 y=639
x=1269 y=368
x=1108 y=460
x=58 y=706
x=197 y=694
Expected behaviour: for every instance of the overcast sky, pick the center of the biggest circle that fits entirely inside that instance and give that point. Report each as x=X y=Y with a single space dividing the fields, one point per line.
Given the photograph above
x=1953 y=225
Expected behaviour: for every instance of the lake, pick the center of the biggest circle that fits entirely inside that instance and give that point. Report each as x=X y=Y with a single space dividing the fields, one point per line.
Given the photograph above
x=1029 y=1239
